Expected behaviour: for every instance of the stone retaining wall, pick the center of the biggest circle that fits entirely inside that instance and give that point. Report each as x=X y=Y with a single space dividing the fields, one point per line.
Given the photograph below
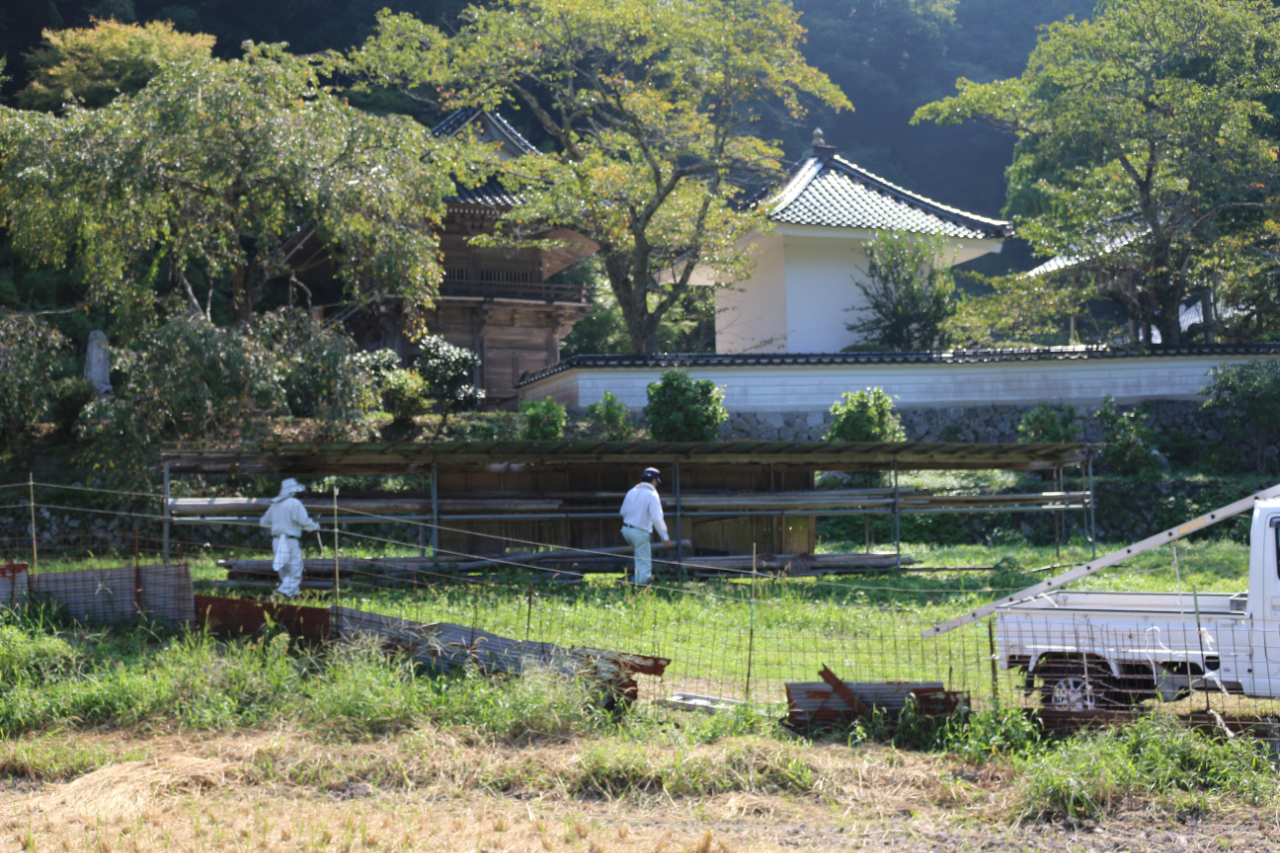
x=998 y=423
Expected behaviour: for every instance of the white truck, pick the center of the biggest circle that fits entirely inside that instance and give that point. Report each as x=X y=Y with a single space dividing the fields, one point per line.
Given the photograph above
x=1092 y=650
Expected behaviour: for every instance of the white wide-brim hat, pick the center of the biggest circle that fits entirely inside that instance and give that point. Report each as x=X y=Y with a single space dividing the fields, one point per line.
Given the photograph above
x=288 y=488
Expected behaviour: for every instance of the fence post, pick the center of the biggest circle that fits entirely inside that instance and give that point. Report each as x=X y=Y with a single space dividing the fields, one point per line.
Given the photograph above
x=751 y=635
x=679 y=532
x=897 y=530
x=166 y=513
x=337 y=601
x=435 y=520
x=991 y=648
x=31 y=492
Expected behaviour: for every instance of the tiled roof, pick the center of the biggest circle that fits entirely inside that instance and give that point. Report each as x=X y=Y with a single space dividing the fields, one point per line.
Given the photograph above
x=694 y=360
x=834 y=192
x=458 y=119
x=490 y=194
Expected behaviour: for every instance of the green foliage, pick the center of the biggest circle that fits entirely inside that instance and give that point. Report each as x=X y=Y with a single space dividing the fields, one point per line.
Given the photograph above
x=70 y=398
x=910 y=293
x=688 y=324
x=323 y=374
x=189 y=379
x=28 y=359
x=865 y=416
x=682 y=408
x=613 y=417
x=1128 y=438
x=1145 y=145
x=1250 y=395
x=404 y=395
x=543 y=420
x=1094 y=773
x=209 y=170
x=92 y=66
x=447 y=372
x=649 y=105
x=1051 y=424
x=31 y=655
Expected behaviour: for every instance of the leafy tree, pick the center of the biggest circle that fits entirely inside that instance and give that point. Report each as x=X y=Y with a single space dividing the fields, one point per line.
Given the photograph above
x=649 y=105
x=1128 y=439
x=447 y=372
x=682 y=408
x=865 y=416
x=211 y=170
x=614 y=418
x=92 y=66
x=543 y=420
x=1143 y=138
x=910 y=294
x=28 y=361
x=1250 y=394
x=1051 y=424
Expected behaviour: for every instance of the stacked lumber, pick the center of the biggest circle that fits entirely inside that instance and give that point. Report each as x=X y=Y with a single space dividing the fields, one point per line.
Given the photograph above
x=795 y=565
x=834 y=701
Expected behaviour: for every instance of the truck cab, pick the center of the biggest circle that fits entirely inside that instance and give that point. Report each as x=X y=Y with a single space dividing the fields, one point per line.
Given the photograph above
x=1093 y=650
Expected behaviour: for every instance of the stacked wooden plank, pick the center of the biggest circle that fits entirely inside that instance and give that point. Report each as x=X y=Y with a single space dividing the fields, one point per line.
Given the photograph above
x=834 y=701
x=794 y=565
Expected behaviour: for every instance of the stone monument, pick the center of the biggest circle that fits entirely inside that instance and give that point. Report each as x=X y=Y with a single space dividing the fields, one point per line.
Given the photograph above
x=97 y=363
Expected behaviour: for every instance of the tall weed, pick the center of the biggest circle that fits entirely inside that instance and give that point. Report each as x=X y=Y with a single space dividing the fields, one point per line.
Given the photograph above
x=1152 y=757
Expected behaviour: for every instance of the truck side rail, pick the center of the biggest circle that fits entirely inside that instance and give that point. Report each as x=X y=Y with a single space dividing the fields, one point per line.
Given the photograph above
x=1173 y=534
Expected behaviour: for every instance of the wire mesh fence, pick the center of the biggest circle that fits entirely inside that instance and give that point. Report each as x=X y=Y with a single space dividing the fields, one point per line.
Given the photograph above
x=740 y=637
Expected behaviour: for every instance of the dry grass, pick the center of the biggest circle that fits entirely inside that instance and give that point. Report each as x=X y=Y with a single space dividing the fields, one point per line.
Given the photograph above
x=288 y=792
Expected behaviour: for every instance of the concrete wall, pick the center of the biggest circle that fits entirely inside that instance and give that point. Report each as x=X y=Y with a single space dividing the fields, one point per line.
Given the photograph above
x=813 y=388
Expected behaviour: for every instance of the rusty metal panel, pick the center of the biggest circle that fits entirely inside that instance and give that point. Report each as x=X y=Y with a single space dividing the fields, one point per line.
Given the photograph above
x=245 y=618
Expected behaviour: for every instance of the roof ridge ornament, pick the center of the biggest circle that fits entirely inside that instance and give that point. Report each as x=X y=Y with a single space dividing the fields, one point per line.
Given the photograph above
x=821 y=149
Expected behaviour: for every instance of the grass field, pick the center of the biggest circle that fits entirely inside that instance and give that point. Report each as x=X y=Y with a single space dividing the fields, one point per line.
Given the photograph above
x=135 y=739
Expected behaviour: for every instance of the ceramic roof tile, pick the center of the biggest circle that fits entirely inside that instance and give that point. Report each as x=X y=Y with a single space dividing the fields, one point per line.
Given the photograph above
x=833 y=192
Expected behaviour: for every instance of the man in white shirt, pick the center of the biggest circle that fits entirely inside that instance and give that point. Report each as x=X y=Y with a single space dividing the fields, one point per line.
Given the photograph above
x=287 y=518
x=641 y=514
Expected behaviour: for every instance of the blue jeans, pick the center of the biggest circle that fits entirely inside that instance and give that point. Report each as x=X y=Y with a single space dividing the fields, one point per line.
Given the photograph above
x=639 y=540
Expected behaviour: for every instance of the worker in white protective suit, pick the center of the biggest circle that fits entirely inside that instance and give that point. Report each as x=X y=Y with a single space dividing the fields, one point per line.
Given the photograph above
x=287 y=518
x=642 y=514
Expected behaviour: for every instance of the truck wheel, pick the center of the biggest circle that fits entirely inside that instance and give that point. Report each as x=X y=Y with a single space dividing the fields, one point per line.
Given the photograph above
x=1068 y=687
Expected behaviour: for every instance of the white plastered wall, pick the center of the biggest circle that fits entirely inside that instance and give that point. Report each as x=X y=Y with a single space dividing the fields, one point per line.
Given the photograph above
x=803 y=280
x=751 y=316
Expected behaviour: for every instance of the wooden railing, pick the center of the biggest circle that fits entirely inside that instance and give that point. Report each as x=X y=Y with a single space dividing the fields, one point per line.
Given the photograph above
x=539 y=291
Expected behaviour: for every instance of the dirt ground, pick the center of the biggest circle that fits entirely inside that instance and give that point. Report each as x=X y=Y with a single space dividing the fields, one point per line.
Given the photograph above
x=286 y=792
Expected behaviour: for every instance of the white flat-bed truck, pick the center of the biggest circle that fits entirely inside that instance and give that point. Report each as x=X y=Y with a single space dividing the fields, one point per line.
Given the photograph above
x=1087 y=650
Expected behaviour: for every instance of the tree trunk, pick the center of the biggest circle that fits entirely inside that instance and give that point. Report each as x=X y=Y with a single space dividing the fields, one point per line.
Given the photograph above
x=246 y=287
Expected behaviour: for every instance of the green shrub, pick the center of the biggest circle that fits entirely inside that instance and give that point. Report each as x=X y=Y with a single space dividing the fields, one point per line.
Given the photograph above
x=865 y=416
x=404 y=395
x=1050 y=424
x=25 y=656
x=447 y=371
x=614 y=418
x=70 y=398
x=682 y=408
x=28 y=350
x=543 y=421
x=1128 y=439
x=1152 y=757
x=1250 y=396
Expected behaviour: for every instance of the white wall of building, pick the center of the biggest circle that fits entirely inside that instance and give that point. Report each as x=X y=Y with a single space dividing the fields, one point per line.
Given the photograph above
x=752 y=315
x=803 y=387
x=820 y=285
x=803 y=280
